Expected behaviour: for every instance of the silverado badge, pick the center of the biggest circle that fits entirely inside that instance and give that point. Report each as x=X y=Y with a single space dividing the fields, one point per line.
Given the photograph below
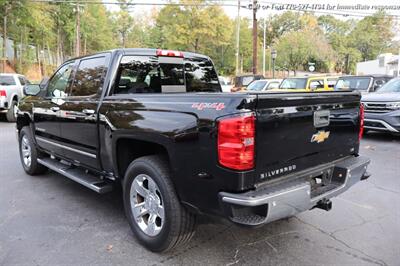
x=321 y=136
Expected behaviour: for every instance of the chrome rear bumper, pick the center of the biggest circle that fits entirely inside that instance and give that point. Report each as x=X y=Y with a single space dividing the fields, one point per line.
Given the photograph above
x=270 y=203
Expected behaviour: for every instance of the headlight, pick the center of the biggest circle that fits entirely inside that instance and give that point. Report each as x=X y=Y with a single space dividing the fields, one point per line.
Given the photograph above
x=394 y=106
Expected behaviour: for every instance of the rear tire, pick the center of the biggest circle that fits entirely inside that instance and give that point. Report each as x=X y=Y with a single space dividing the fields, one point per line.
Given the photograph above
x=11 y=114
x=159 y=221
x=29 y=153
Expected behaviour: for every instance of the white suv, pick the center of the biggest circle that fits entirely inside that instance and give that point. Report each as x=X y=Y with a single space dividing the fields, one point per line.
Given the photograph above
x=11 y=91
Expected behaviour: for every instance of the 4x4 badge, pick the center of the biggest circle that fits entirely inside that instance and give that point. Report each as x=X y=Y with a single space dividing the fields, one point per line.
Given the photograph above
x=321 y=136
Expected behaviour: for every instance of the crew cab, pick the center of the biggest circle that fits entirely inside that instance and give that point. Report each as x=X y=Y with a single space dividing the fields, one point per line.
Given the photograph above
x=157 y=122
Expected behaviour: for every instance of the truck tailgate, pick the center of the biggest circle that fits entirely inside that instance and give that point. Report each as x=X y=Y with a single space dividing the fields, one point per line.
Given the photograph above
x=295 y=131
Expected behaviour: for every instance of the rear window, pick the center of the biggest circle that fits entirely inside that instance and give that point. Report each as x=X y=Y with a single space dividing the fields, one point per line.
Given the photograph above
x=152 y=74
x=353 y=83
x=293 y=83
x=7 y=81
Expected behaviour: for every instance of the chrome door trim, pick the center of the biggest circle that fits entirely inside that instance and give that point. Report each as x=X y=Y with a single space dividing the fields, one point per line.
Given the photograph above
x=67 y=148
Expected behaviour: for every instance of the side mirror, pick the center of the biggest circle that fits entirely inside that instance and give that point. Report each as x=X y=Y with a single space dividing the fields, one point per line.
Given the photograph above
x=31 y=89
x=43 y=83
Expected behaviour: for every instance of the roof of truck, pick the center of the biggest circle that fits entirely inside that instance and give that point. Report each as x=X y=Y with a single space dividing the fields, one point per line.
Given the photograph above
x=141 y=51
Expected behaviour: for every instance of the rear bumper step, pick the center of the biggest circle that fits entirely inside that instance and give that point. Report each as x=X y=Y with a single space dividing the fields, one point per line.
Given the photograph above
x=270 y=203
x=78 y=175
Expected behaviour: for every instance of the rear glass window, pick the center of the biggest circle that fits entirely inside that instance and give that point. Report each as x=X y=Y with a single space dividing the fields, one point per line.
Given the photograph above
x=151 y=74
x=293 y=83
x=353 y=83
x=200 y=75
x=7 y=81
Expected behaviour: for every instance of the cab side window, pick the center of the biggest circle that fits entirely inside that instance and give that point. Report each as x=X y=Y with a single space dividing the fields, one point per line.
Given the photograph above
x=89 y=77
x=58 y=84
x=316 y=84
x=138 y=74
x=22 y=80
x=331 y=83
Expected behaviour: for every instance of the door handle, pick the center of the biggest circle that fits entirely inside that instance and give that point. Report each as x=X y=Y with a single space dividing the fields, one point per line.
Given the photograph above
x=88 y=111
x=55 y=108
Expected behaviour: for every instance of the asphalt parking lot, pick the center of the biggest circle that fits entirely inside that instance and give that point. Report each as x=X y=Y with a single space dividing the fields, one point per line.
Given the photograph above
x=50 y=220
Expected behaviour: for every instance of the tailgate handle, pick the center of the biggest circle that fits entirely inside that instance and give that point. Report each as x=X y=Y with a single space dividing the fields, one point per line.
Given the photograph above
x=321 y=118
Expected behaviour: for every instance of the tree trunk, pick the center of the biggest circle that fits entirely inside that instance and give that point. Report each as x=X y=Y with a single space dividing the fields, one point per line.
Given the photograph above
x=4 y=59
x=38 y=60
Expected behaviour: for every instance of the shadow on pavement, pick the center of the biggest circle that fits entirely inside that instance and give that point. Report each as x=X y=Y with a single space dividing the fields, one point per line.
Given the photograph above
x=375 y=135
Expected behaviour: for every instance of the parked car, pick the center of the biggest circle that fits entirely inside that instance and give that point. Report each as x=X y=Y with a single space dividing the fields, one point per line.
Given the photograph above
x=382 y=108
x=11 y=91
x=241 y=82
x=307 y=84
x=156 y=122
x=364 y=84
x=226 y=84
x=264 y=84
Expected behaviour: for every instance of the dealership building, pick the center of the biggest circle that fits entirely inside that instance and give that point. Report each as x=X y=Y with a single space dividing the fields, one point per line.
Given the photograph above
x=385 y=64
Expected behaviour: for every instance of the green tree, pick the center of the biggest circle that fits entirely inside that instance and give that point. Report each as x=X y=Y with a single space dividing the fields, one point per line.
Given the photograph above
x=372 y=35
x=296 y=48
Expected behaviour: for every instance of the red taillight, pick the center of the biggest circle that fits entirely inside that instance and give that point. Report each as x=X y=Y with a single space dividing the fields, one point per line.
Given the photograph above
x=360 y=133
x=3 y=93
x=169 y=53
x=236 y=137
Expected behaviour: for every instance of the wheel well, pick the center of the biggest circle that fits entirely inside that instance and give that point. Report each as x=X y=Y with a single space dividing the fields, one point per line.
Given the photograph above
x=15 y=98
x=130 y=149
x=23 y=121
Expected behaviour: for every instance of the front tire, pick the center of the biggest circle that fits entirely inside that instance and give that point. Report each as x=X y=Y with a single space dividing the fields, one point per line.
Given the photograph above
x=29 y=153
x=11 y=113
x=154 y=212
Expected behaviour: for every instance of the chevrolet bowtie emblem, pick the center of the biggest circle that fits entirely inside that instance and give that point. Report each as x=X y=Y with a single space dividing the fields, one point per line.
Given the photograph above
x=321 y=136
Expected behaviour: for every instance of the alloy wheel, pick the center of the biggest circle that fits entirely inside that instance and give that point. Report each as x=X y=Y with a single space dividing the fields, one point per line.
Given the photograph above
x=26 y=151
x=147 y=205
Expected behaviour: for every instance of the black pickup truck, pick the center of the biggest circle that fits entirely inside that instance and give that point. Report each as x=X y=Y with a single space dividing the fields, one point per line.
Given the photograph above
x=156 y=122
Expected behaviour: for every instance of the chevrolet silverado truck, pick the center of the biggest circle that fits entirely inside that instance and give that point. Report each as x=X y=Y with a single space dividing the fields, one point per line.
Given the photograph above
x=157 y=122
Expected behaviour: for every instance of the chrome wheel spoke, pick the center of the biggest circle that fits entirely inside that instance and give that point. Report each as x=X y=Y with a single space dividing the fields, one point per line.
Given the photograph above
x=139 y=210
x=25 y=153
x=151 y=225
x=160 y=212
x=152 y=186
x=140 y=189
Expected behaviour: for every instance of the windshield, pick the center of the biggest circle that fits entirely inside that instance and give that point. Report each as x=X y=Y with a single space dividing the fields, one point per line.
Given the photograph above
x=353 y=83
x=391 y=86
x=294 y=83
x=257 y=85
x=7 y=80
